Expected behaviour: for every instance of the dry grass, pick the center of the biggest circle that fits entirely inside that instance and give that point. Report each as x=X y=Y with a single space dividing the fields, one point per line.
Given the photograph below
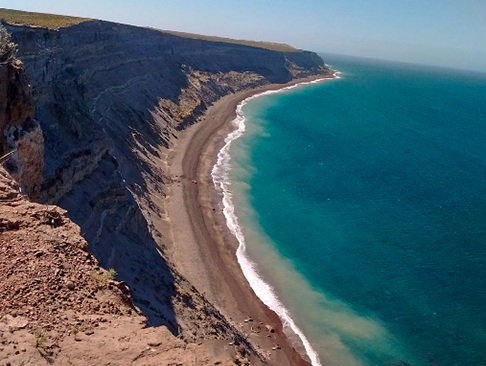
x=103 y=277
x=60 y=21
x=38 y=19
x=282 y=47
x=40 y=337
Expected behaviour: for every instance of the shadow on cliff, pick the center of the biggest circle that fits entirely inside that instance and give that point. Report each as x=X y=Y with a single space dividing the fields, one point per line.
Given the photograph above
x=119 y=238
x=97 y=87
x=94 y=95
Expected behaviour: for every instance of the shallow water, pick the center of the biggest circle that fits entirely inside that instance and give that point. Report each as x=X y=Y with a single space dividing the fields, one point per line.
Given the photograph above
x=362 y=201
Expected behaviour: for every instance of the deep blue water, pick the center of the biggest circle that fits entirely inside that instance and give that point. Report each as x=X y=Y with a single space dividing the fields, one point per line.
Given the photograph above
x=374 y=187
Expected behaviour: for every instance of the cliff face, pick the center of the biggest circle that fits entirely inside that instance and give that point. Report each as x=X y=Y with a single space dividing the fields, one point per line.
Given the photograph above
x=59 y=308
x=19 y=132
x=110 y=99
x=105 y=92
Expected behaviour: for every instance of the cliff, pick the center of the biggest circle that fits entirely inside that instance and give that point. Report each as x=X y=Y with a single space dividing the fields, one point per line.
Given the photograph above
x=20 y=133
x=110 y=99
x=57 y=306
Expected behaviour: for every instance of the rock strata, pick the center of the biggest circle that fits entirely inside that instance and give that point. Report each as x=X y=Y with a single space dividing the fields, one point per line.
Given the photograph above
x=110 y=100
x=21 y=133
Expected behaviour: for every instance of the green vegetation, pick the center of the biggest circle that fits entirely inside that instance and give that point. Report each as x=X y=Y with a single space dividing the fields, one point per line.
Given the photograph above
x=75 y=331
x=282 y=47
x=38 y=19
x=40 y=337
x=111 y=274
x=102 y=278
x=182 y=292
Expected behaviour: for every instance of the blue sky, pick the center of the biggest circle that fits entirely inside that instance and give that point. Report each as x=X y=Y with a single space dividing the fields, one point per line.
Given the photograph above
x=449 y=33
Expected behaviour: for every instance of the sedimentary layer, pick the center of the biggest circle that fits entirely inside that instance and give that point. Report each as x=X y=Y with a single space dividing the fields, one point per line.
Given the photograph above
x=111 y=100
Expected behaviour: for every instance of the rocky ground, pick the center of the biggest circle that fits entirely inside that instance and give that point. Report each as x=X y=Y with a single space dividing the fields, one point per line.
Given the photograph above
x=57 y=306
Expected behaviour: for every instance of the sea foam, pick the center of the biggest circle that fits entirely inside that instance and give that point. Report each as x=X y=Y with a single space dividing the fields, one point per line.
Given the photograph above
x=220 y=174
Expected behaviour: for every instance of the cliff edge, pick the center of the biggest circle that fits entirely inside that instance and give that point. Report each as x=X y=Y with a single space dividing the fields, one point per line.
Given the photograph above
x=110 y=100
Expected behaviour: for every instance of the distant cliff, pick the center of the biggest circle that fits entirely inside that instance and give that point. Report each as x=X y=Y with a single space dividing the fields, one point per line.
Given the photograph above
x=110 y=99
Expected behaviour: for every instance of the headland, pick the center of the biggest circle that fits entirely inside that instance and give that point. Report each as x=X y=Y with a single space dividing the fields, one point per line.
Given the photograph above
x=123 y=124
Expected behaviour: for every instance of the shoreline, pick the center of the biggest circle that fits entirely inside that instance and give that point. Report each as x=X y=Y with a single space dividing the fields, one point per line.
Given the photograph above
x=206 y=254
x=220 y=174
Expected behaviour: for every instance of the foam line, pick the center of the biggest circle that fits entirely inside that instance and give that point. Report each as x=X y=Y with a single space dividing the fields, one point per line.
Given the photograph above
x=220 y=174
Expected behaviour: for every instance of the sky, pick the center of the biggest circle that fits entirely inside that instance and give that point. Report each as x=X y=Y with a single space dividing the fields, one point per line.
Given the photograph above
x=449 y=33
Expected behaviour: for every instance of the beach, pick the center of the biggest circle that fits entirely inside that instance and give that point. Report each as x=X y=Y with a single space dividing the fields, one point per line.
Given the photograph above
x=203 y=248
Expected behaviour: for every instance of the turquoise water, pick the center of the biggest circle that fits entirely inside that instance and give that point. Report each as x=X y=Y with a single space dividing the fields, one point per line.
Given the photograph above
x=363 y=204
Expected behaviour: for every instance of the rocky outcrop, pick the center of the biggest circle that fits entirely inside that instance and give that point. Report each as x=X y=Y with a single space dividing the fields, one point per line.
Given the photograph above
x=58 y=307
x=20 y=134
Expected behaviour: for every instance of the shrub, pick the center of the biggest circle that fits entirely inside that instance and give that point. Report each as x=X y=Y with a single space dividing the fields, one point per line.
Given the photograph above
x=40 y=338
x=103 y=278
x=111 y=274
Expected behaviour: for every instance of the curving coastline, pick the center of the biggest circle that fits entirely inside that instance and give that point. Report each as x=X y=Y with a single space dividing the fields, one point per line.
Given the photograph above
x=209 y=254
x=111 y=100
x=220 y=174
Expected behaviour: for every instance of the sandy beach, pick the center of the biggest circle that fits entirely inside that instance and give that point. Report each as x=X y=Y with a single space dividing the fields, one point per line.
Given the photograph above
x=203 y=248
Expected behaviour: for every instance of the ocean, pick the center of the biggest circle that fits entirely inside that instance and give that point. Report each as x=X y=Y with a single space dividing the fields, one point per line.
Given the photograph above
x=360 y=207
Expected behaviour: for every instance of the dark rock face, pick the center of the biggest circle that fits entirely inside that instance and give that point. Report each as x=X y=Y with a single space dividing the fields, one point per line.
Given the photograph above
x=97 y=86
x=19 y=132
x=109 y=99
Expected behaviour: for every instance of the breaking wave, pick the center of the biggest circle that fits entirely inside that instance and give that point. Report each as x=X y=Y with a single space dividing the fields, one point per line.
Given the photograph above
x=220 y=175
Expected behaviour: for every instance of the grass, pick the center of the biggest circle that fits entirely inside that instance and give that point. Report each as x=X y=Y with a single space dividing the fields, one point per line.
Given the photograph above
x=40 y=338
x=111 y=274
x=38 y=19
x=60 y=21
x=282 y=47
x=75 y=331
x=103 y=278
